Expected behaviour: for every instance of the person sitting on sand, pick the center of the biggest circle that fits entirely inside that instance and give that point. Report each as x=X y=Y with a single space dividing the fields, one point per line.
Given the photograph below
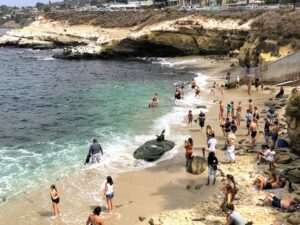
x=201 y=119
x=109 y=193
x=253 y=131
x=94 y=151
x=55 y=200
x=212 y=162
x=278 y=183
x=233 y=217
x=261 y=181
x=230 y=188
x=95 y=218
x=280 y=203
x=188 y=145
x=281 y=93
x=154 y=100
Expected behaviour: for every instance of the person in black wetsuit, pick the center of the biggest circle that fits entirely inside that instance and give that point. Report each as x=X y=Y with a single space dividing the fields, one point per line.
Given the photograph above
x=281 y=93
x=94 y=152
x=55 y=200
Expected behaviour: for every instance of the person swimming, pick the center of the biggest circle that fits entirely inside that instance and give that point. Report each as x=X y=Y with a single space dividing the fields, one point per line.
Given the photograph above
x=154 y=100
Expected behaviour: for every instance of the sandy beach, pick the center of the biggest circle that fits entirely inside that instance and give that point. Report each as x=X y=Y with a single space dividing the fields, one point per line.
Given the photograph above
x=161 y=192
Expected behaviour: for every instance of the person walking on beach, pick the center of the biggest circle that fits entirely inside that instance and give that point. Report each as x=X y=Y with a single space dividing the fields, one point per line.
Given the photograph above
x=227 y=127
x=213 y=88
x=212 y=143
x=197 y=91
x=95 y=218
x=228 y=110
x=233 y=125
x=221 y=110
x=232 y=109
x=188 y=145
x=250 y=107
x=94 y=151
x=55 y=200
x=109 y=193
x=190 y=117
x=256 y=83
x=212 y=162
x=239 y=114
x=201 y=120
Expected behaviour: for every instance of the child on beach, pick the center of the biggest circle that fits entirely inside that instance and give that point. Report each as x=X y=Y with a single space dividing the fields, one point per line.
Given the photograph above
x=190 y=117
x=55 y=200
x=109 y=193
x=188 y=145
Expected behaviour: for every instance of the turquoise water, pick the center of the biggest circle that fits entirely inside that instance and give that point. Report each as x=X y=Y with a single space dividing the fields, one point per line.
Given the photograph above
x=52 y=109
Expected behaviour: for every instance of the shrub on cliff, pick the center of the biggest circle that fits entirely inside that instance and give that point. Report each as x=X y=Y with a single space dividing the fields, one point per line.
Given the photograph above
x=293 y=107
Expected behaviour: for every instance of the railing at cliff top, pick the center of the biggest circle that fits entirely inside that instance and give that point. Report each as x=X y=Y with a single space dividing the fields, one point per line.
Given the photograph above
x=280 y=70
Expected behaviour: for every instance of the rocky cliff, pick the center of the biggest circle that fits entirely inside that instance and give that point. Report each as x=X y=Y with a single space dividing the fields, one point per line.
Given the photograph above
x=155 y=34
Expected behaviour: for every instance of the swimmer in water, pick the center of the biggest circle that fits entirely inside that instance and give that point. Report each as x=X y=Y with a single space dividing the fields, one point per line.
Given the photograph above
x=154 y=100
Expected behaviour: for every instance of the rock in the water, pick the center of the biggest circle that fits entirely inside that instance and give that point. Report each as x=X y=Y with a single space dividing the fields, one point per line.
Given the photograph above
x=196 y=165
x=153 y=150
x=201 y=107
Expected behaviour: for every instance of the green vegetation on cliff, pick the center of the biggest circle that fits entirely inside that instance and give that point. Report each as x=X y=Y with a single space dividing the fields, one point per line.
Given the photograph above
x=293 y=108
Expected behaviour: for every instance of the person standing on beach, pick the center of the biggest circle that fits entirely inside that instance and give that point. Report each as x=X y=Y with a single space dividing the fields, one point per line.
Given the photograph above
x=230 y=151
x=249 y=88
x=212 y=143
x=55 y=200
x=213 y=88
x=227 y=127
x=239 y=114
x=275 y=131
x=95 y=218
x=109 y=193
x=256 y=83
x=228 y=110
x=201 y=119
x=94 y=151
x=194 y=84
x=250 y=105
x=267 y=130
x=222 y=125
x=237 y=81
x=253 y=131
x=249 y=118
x=233 y=125
x=190 y=117
x=222 y=90
x=188 y=145
x=232 y=109
x=209 y=132
x=212 y=162
x=221 y=110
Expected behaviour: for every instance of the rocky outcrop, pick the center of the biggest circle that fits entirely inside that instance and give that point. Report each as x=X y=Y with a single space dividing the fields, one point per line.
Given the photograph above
x=153 y=150
x=293 y=119
x=196 y=165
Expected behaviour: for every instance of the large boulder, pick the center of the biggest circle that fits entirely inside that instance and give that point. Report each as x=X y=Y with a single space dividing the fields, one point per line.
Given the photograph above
x=293 y=174
x=153 y=150
x=196 y=165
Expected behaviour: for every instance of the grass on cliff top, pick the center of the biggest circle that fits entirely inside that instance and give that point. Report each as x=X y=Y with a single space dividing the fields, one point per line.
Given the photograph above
x=283 y=23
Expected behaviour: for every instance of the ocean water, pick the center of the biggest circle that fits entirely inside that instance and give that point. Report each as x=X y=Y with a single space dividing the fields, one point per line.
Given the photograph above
x=50 y=110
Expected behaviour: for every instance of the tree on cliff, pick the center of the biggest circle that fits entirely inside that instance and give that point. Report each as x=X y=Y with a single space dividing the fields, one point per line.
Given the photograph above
x=294 y=2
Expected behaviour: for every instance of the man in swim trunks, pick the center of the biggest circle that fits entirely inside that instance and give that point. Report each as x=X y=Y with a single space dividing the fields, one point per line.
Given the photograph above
x=95 y=218
x=94 y=151
x=253 y=131
x=280 y=203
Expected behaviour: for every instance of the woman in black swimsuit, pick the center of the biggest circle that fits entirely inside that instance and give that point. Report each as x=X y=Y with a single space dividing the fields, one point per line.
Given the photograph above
x=55 y=200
